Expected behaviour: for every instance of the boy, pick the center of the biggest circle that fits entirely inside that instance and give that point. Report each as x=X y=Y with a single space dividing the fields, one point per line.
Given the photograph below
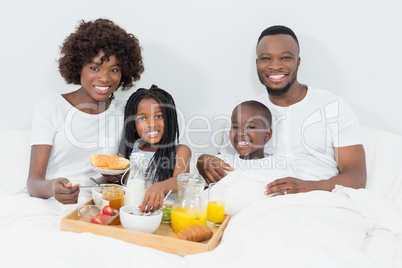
x=250 y=131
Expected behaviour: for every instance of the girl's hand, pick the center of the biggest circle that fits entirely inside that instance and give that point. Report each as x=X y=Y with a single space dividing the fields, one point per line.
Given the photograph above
x=153 y=199
x=64 y=191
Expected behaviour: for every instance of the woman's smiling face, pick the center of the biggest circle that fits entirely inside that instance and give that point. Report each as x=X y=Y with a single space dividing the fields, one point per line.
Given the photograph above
x=100 y=79
x=149 y=123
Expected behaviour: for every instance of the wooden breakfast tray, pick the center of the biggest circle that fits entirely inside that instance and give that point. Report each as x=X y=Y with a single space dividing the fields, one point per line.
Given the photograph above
x=162 y=239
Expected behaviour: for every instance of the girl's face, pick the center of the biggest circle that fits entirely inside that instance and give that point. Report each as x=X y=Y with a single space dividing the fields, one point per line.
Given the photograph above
x=149 y=123
x=100 y=80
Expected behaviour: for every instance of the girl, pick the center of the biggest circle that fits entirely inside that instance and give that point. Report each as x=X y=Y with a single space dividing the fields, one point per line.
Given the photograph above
x=151 y=127
x=68 y=128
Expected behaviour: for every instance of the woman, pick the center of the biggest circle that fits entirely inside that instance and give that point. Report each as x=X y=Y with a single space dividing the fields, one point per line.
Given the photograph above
x=68 y=128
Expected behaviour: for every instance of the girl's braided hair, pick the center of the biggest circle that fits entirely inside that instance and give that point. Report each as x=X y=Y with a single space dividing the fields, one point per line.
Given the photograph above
x=163 y=162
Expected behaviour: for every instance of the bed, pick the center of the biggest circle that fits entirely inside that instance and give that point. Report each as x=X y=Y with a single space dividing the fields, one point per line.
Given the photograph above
x=342 y=228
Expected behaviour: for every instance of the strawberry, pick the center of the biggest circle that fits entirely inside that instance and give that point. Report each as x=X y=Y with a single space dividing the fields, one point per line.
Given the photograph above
x=103 y=217
x=107 y=210
x=96 y=221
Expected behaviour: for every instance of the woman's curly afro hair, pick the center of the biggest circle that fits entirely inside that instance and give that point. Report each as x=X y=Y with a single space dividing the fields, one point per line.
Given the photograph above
x=90 y=37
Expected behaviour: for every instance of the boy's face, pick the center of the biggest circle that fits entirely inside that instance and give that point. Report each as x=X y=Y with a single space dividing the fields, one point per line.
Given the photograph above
x=249 y=132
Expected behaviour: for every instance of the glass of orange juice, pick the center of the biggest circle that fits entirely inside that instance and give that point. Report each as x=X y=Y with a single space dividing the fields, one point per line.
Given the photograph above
x=216 y=204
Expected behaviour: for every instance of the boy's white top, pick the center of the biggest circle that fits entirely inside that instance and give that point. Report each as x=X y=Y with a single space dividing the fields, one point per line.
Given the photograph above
x=305 y=133
x=246 y=183
x=268 y=166
x=75 y=136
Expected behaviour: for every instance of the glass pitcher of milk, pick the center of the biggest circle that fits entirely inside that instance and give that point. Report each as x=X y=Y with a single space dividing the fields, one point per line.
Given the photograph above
x=137 y=181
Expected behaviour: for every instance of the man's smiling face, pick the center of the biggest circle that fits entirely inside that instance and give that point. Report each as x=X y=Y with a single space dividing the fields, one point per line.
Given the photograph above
x=277 y=63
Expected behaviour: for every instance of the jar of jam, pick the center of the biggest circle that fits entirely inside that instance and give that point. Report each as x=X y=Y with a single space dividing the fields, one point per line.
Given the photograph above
x=113 y=196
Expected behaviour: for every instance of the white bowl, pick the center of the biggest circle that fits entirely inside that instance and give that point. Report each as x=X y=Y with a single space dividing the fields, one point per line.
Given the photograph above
x=139 y=223
x=97 y=195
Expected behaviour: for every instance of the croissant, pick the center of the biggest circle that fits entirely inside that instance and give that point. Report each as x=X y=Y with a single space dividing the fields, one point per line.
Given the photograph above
x=195 y=233
x=109 y=162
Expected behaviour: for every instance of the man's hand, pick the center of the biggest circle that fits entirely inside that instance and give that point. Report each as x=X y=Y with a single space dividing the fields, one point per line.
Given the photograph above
x=212 y=168
x=64 y=191
x=289 y=185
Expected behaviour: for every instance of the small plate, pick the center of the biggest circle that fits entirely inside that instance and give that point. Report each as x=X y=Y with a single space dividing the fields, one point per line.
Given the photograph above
x=109 y=171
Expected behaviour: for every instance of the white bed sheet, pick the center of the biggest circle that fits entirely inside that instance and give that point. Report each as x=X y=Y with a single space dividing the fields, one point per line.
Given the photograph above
x=316 y=229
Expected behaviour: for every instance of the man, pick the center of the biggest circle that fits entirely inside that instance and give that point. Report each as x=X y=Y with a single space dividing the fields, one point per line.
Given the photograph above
x=315 y=131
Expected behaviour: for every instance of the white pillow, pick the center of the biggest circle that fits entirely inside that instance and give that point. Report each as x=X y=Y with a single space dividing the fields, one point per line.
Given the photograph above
x=384 y=164
x=14 y=159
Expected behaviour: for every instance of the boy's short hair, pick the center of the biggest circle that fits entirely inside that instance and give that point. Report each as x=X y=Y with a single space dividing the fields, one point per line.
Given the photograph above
x=260 y=109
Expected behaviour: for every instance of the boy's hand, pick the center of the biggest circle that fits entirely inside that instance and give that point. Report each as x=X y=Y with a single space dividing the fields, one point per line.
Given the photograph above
x=212 y=168
x=64 y=191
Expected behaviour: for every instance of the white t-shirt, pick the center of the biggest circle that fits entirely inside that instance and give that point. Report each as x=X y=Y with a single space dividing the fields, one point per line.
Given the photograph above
x=306 y=133
x=75 y=136
x=269 y=166
x=246 y=183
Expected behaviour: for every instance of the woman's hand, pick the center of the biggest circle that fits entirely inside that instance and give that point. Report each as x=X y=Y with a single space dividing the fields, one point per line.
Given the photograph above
x=153 y=199
x=289 y=185
x=64 y=191
x=113 y=178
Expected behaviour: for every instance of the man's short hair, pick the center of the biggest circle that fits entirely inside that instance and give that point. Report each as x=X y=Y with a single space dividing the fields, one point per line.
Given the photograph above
x=278 y=29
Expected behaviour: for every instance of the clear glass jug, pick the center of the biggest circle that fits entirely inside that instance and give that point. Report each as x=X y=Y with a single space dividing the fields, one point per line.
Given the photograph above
x=190 y=206
x=138 y=180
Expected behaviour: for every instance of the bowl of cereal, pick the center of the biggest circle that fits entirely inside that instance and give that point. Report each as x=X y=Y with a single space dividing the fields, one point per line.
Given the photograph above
x=132 y=219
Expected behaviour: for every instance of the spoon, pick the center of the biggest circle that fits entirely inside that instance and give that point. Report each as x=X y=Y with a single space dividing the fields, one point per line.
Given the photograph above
x=163 y=205
x=166 y=197
x=165 y=213
x=95 y=181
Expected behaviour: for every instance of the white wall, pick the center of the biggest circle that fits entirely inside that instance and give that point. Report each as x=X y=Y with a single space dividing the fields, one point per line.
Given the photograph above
x=203 y=52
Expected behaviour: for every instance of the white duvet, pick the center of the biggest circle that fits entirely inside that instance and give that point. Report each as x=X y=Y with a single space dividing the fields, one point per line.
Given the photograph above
x=343 y=228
